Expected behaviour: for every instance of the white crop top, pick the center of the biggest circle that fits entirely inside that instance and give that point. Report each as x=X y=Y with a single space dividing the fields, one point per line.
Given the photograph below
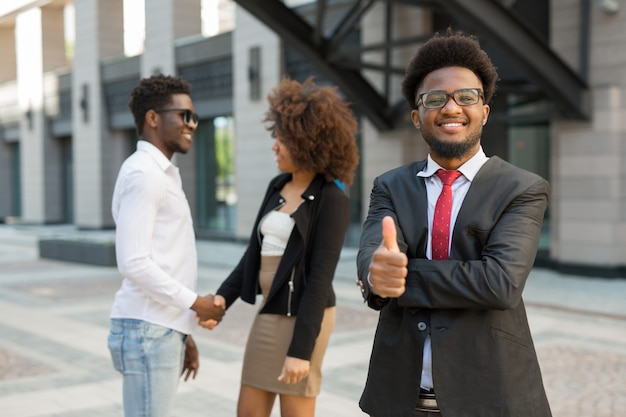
x=276 y=227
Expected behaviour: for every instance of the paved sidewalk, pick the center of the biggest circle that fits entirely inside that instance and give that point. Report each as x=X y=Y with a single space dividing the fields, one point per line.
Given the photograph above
x=54 y=361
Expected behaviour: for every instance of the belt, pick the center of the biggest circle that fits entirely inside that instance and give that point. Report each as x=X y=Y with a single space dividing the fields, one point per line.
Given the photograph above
x=427 y=402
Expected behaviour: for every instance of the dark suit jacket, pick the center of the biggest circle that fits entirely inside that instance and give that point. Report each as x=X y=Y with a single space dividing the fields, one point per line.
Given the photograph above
x=484 y=360
x=310 y=260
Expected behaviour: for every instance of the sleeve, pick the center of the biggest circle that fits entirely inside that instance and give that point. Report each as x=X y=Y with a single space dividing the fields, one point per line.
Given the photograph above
x=138 y=206
x=230 y=289
x=325 y=244
x=371 y=238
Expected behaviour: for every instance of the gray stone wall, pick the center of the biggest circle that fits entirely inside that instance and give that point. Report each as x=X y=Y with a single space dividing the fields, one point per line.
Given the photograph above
x=255 y=164
x=588 y=208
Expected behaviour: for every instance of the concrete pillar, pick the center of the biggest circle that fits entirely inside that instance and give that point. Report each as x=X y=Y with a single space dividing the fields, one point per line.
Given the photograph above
x=99 y=35
x=167 y=21
x=255 y=164
x=40 y=48
x=28 y=27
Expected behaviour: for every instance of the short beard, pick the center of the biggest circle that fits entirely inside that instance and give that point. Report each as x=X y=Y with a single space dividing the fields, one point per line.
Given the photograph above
x=448 y=150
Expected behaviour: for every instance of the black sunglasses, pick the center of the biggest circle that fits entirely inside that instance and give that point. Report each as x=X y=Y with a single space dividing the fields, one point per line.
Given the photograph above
x=188 y=115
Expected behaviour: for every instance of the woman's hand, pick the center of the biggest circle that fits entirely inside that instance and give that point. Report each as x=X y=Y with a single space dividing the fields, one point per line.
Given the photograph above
x=294 y=370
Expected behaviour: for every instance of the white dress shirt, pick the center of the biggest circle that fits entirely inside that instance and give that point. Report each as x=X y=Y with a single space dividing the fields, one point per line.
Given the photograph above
x=155 y=242
x=459 y=190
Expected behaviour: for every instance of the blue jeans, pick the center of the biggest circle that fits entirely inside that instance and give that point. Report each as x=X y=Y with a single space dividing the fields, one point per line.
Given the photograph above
x=150 y=357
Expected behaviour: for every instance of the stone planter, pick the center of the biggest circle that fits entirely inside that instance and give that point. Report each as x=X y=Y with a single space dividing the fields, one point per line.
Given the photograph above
x=76 y=250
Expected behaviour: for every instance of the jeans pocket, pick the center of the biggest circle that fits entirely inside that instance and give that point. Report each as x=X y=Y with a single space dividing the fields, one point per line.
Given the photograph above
x=115 y=341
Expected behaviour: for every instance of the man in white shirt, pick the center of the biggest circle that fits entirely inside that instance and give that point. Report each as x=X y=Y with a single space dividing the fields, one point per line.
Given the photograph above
x=154 y=311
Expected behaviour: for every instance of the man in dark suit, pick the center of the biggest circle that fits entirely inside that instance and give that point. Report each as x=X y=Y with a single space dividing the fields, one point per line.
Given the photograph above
x=453 y=338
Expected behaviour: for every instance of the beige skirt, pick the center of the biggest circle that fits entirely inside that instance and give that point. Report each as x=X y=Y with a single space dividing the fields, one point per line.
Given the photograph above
x=269 y=340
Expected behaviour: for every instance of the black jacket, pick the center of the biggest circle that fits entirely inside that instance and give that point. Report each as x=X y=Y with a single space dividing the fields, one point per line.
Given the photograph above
x=483 y=357
x=321 y=223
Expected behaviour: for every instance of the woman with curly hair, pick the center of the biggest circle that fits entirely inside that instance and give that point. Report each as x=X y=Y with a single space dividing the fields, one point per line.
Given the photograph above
x=294 y=249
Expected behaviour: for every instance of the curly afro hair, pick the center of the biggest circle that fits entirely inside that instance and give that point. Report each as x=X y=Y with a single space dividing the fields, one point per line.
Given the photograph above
x=317 y=127
x=452 y=50
x=154 y=92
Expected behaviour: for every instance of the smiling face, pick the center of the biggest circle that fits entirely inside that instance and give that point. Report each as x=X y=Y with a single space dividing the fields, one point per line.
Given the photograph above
x=452 y=132
x=171 y=133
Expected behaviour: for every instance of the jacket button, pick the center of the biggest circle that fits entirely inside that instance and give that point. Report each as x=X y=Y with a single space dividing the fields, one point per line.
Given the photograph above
x=311 y=197
x=359 y=283
x=421 y=326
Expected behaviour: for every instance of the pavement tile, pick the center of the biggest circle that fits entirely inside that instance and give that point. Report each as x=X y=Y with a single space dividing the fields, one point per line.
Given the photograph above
x=13 y=365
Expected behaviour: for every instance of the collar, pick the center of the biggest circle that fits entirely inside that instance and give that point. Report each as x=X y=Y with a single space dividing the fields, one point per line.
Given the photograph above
x=469 y=169
x=145 y=146
x=312 y=190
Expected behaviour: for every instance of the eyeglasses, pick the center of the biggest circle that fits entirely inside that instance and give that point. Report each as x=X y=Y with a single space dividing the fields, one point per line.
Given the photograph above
x=438 y=99
x=188 y=115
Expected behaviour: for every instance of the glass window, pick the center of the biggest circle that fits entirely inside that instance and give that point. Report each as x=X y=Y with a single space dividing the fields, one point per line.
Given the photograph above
x=217 y=194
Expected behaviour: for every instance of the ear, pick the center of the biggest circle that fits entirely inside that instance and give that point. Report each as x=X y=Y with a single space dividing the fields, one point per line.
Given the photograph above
x=486 y=111
x=415 y=117
x=152 y=118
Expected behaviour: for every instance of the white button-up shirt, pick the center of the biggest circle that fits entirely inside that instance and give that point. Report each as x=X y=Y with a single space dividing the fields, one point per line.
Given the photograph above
x=459 y=189
x=155 y=242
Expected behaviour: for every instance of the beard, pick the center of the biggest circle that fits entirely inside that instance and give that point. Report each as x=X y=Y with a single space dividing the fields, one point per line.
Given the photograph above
x=454 y=150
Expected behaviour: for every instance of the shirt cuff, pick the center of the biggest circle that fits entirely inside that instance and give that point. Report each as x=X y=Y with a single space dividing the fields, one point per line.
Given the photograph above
x=370 y=284
x=187 y=298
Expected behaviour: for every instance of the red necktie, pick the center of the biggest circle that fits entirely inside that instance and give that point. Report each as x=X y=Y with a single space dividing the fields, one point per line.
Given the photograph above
x=441 y=218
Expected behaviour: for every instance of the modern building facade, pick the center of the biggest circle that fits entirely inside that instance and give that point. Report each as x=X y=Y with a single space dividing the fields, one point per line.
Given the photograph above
x=65 y=127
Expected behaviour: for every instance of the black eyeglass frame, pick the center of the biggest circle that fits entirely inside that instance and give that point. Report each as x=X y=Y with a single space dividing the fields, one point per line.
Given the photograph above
x=188 y=115
x=449 y=96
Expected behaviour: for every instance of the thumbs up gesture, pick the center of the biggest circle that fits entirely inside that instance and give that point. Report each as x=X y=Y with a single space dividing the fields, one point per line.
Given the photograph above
x=388 y=269
x=390 y=235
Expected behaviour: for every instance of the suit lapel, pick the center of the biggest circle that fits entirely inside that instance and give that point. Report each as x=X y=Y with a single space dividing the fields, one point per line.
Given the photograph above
x=415 y=224
x=477 y=198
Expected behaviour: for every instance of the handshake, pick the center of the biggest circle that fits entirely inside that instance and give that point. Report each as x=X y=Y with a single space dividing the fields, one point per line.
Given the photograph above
x=209 y=310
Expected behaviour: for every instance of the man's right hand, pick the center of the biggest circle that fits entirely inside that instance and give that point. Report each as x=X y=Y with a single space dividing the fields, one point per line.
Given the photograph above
x=207 y=309
x=388 y=269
